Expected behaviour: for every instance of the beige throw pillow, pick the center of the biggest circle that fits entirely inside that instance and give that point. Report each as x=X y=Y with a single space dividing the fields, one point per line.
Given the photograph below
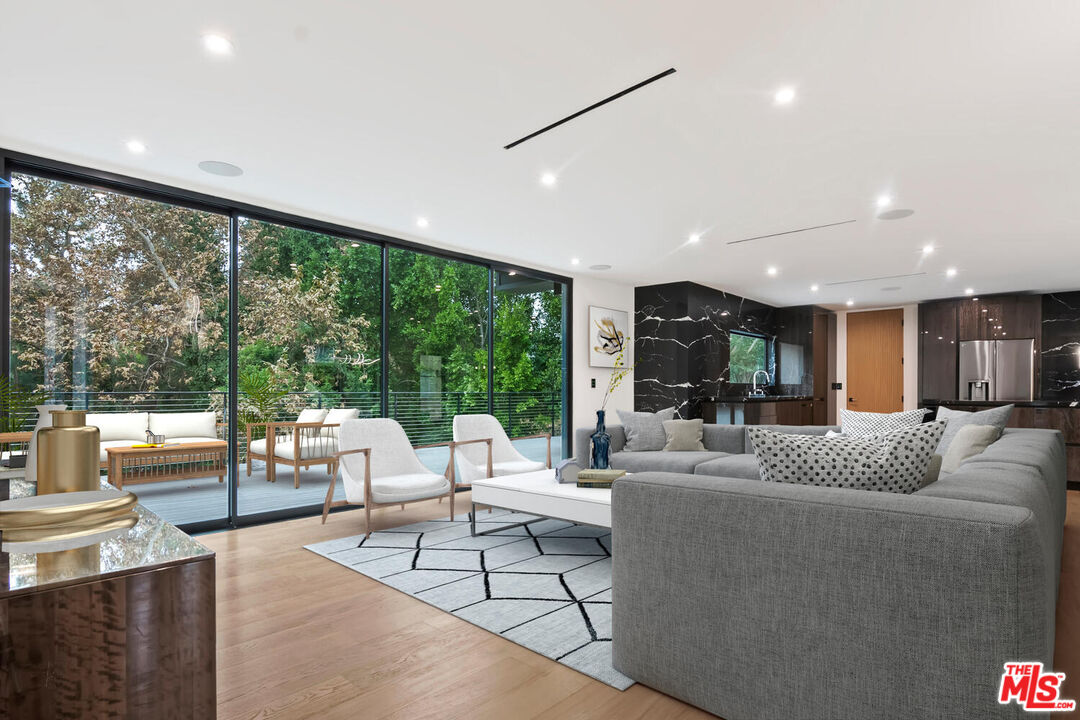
x=932 y=471
x=683 y=435
x=969 y=441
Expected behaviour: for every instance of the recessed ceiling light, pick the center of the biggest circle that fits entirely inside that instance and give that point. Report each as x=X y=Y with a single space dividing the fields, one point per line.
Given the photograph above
x=950 y=272
x=813 y=288
x=850 y=302
x=422 y=222
x=600 y=267
x=217 y=167
x=784 y=96
x=694 y=237
x=136 y=146
x=771 y=270
x=884 y=201
x=969 y=291
x=217 y=44
x=927 y=249
x=548 y=179
x=512 y=272
x=574 y=261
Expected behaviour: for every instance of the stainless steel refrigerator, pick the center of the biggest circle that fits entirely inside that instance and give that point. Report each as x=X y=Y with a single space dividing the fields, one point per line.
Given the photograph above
x=997 y=370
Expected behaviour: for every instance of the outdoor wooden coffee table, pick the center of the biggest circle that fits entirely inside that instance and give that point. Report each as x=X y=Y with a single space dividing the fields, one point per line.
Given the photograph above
x=132 y=465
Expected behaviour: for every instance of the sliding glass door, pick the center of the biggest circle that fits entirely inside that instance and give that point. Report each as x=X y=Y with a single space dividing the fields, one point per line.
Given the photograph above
x=202 y=320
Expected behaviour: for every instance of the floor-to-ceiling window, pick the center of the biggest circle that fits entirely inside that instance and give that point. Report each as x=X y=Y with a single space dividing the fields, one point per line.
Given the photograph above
x=437 y=338
x=528 y=368
x=119 y=305
x=122 y=295
x=309 y=347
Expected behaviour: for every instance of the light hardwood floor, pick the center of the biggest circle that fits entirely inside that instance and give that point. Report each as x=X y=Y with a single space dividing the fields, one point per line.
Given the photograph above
x=300 y=637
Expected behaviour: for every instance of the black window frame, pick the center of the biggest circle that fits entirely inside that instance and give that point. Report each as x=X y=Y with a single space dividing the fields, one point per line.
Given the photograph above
x=768 y=346
x=23 y=163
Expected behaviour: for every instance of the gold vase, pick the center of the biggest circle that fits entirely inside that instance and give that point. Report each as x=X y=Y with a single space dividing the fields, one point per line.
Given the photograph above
x=68 y=454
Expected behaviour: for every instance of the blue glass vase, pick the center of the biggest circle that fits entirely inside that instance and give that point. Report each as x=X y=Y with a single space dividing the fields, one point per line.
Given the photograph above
x=601 y=444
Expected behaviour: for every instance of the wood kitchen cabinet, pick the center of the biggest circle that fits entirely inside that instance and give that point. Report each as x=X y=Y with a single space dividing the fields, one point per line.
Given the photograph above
x=937 y=350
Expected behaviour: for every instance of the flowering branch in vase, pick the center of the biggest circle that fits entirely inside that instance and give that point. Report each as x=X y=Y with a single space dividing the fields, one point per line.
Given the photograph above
x=618 y=372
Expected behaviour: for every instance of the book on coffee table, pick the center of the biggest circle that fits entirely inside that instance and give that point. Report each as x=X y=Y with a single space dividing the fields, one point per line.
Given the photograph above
x=598 y=478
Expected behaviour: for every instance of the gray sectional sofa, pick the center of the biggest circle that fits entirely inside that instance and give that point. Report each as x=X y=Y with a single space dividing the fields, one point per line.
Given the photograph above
x=773 y=600
x=728 y=452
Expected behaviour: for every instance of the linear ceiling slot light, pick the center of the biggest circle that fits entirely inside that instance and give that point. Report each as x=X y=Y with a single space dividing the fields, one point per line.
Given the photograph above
x=875 y=279
x=789 y=232
x=592 y=107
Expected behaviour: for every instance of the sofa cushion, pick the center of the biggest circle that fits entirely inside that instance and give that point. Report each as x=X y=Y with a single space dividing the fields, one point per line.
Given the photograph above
x=734 y=466
x=645 y=430
x=891 y=462
x=970 y=441
x=310 y=448
x=683 y=435
x=120 y=426
x=865 y=424
x=748 y=447
x=402 y=488
x=106 y=444
x=184 y=424
x=660 y=461
x=724 y=438
x=957 y=419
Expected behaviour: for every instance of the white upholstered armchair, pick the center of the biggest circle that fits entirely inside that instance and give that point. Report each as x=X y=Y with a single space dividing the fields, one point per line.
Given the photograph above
x=478 y=458
x=379 y=468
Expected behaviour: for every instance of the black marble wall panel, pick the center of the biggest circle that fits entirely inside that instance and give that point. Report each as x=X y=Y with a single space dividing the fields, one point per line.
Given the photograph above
x=1061 y=346
x=682 y=344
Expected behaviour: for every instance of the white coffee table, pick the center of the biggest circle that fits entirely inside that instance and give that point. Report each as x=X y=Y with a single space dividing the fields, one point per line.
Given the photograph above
x=537 y=493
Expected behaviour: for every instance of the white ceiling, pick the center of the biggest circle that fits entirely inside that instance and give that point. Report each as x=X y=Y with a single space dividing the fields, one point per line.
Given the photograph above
x=374 y=113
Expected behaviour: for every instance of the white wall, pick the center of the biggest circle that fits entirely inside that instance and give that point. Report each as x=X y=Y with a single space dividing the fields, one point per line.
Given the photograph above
x=911 y=355
x=589 y=291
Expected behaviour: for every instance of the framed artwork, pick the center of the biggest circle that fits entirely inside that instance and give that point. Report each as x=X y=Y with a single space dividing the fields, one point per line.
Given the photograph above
x=609 y=334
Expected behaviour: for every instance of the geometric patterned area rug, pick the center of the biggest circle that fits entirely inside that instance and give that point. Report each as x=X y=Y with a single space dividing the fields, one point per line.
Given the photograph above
x=545 y=586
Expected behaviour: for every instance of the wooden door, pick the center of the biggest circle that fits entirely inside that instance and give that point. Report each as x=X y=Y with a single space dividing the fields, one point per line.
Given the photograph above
x=875 y=361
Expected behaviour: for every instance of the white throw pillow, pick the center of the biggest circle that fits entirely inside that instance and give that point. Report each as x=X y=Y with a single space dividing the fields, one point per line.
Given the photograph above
x=864 y=424
x=969 y=441
x=185 y=425
x=312 y=415
x=338 y=416
x=893 y=462
x=120 y=426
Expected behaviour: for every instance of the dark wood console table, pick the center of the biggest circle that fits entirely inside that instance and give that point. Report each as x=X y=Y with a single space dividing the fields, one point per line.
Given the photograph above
x=120 y=629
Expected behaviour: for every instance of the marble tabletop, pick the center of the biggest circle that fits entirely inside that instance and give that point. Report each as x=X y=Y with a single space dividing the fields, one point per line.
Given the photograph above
x=151 y=542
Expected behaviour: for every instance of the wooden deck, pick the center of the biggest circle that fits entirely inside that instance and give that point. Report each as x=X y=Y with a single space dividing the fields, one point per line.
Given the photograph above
x=195 y=500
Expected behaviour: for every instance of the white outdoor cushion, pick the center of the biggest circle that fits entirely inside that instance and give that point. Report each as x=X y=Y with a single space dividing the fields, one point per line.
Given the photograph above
x=105 y=444
x=184 y=424
x=184 y=440
x=322 y=447
x=120 y=426
x=402 y=488
x=312 y=415
x=338 y=416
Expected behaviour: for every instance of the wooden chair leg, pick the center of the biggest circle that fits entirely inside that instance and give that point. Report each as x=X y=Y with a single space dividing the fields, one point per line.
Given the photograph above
x=452 y=493
x=296 y=475
x=329 y=499
x=402 y=506
x=367 y=520
x=249 y=466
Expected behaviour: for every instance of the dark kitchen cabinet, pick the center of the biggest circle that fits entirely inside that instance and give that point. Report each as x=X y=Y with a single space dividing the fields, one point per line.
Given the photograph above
x=937 y=350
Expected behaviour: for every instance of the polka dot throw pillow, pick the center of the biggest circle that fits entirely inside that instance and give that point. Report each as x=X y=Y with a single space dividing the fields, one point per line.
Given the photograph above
x=890 y=462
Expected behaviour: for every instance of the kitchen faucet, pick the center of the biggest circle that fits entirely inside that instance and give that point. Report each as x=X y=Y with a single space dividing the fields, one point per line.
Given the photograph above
x=756 y=391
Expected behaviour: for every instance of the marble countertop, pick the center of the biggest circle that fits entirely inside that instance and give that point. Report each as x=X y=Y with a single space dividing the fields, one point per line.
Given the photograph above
x=996 y=403
x=151 y=542
x=756 y=399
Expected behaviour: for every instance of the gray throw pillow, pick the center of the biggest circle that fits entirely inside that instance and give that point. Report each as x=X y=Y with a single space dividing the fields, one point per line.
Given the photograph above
x=645 y=430
x=684 y=435
x=956 y=419
x=893 y=462
x=969 y=441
